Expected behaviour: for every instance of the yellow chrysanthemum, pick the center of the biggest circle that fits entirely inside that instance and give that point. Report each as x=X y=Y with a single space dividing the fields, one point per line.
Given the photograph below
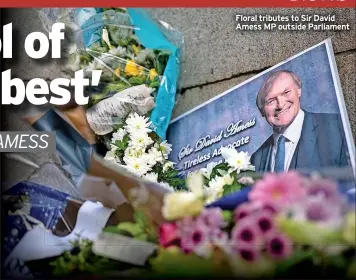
x=117 y=72
x=153 y=74
x=132 y=69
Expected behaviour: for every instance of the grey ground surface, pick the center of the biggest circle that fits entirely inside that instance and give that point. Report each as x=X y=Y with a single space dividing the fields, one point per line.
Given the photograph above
x=216 y=58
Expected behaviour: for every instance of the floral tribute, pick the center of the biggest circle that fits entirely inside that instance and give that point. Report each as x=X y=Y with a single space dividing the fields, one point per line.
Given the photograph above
x=120 y=109
x=211 y=183
x=290 y=226
x=288 y=221
x=137 y=148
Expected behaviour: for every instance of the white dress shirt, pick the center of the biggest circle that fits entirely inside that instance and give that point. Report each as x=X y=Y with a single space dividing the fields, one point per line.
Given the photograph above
x=292 y=135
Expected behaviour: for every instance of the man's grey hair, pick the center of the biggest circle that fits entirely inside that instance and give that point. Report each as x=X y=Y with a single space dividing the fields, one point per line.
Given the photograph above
x=268 y=83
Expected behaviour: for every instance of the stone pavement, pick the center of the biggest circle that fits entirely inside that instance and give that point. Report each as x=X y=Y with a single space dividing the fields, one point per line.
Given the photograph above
x=216 y=58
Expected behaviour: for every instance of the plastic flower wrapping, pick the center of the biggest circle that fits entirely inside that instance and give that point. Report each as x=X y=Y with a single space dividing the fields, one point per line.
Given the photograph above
x=128 y=112
x=288 y=226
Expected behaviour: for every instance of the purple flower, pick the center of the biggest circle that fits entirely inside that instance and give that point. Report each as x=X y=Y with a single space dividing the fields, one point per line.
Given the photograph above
x=212 y=218
x=246 y=209
x=318 y=210
x=247 y=233
x=249 y=208
x=279 y=246
x=193 y=237
x=220 y=239
x=187 y=224
x=264 y=220
x=325 y=188
x=248 y=254
x=272 y=208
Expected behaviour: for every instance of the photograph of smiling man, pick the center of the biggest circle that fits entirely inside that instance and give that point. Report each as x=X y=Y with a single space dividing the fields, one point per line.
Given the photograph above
x=290 y=116
x=300 y=139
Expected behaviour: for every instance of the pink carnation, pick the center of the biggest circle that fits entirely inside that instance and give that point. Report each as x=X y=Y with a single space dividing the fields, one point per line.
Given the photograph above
x=168 y=235
x=280 y=189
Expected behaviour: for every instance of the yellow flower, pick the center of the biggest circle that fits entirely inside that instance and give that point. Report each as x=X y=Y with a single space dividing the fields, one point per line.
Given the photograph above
x=136 y=49
x=180 y=204
x=153 y=74
x=117 y=72
x=350 y=228
x=141 y=71
x=132 y=69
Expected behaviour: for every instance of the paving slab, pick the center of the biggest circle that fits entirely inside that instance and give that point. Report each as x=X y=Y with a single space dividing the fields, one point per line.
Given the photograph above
x=214 y=50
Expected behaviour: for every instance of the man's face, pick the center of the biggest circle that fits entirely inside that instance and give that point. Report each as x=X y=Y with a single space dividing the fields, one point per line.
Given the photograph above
x=282 y=102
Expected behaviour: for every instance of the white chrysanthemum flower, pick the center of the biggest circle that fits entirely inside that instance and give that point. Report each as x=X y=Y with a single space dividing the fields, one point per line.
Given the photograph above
x=209 y=168
x=238 y=161
x=216 y=187
x=118 y=51
x=143 y=54
x=113 y=147
x=165 y=148
x=140 y=139
x=138 y=166
x=195 y=183
x=111 y=157
x=150 y=158
x=177 y=205
x=156 y=154
x=153 y=177
x=118 y=135
x=137 y=123
x=167 y=165
x=133 y=153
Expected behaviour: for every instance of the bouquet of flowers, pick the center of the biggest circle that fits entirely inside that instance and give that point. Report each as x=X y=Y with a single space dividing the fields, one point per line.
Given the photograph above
x=138 y=149
x=290 y=226
x=219 y=178
x=287 y=222
x=128 y=113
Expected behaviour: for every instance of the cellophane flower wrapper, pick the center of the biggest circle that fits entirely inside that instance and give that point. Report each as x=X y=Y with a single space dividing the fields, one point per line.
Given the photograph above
x=140 y=61
x=129 y=47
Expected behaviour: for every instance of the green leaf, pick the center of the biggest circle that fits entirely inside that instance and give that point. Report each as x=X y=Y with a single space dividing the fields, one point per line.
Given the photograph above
x=222 y=167
x=154 y=84
x=297 y=257
x=142 y=236
x=161 y=62
x=229 y=189
x=351 y=270
x=115 y=87
x=308 y=233
x=227 y=216
x=172 y=262
x=136 y=81
x=336 y=261
x=261 y=268
x=133 y=229
x=112 y=229
x=140 y=219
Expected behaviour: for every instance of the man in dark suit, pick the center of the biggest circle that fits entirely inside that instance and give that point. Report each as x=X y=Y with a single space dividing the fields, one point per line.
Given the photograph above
x=300 y=140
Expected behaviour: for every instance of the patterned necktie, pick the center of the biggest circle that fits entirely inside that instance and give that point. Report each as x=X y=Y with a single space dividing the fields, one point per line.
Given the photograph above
x=280 y=155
